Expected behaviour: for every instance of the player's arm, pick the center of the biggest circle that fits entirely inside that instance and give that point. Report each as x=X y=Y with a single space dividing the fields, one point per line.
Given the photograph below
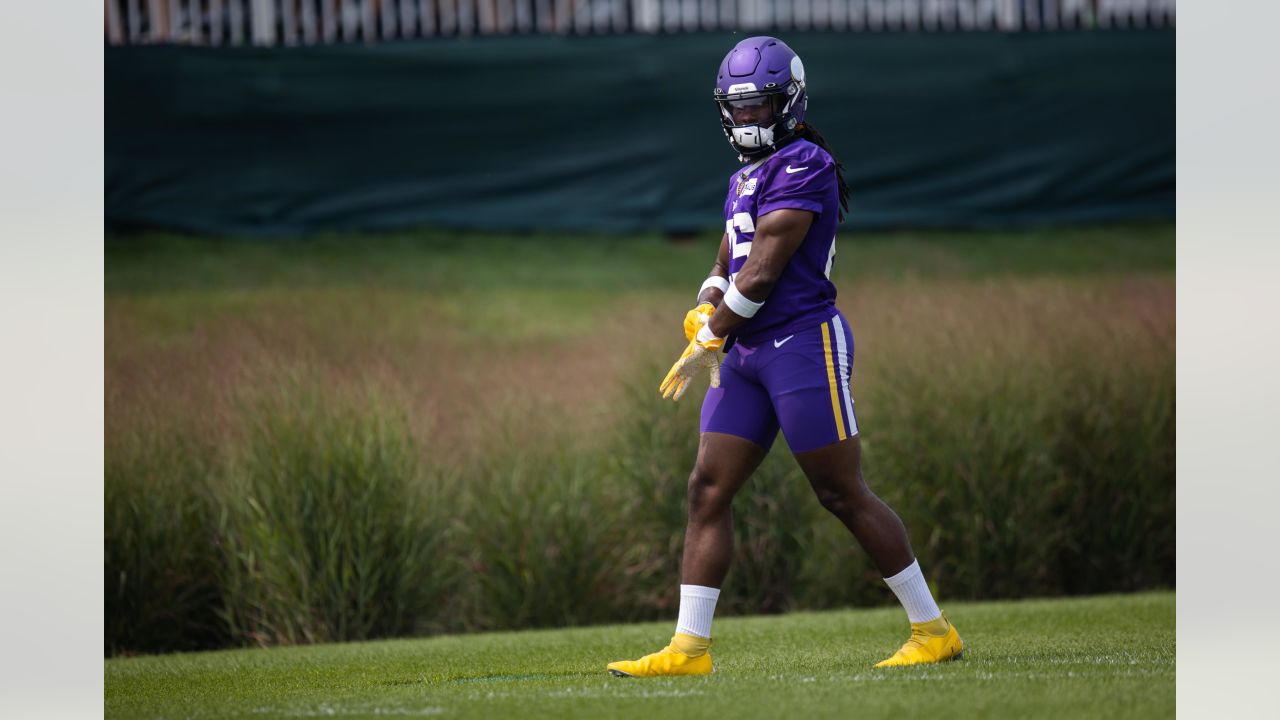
x=778 y=235
x=711 y=291
x=695 y=356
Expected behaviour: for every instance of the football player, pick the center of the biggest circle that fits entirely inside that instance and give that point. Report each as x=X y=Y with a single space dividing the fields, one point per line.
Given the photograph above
x=769 y=302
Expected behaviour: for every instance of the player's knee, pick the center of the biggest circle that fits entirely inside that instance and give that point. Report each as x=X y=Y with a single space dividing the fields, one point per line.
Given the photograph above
x=837 y=503
x=843 y=502
x=705 y=493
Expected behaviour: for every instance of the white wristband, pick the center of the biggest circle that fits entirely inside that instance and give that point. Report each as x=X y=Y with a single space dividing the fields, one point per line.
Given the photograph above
x=740 y=304
x=715 y=281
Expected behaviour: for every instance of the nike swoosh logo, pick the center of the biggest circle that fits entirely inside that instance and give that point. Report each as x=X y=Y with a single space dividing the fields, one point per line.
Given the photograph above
x=791 y=170
x=778 y=343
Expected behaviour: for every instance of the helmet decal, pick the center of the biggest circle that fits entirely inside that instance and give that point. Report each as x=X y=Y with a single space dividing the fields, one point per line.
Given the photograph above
x=797 y=69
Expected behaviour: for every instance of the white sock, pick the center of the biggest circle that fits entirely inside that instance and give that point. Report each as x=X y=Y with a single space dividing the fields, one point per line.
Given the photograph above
x=697 y=605
x=913 y=593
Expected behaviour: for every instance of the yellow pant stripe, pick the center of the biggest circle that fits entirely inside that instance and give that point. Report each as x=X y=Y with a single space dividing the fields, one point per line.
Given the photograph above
x=831 y=382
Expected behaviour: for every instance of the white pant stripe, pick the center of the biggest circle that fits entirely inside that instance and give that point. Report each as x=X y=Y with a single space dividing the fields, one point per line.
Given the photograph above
x=842 y=352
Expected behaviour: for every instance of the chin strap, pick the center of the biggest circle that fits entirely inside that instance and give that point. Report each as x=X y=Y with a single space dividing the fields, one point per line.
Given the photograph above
x=746 y=172
x=768 y=150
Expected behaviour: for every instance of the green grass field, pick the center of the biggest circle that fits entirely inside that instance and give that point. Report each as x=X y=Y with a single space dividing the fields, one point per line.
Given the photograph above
x=1100 y=657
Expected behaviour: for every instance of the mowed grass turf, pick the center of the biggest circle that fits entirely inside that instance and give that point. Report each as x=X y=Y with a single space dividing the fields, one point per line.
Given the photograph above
x=1099 y=657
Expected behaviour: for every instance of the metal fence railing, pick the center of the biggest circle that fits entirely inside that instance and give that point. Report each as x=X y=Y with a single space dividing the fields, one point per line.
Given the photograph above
x=314 y=22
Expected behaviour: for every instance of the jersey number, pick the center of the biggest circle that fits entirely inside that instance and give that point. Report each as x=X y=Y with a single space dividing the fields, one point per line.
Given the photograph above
x=741 y=221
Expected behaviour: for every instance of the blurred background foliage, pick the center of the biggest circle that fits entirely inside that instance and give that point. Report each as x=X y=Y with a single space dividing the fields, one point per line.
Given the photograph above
x=365 y=436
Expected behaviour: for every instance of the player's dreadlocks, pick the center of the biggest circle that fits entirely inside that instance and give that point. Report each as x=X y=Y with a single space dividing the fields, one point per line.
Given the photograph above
x=810 y=133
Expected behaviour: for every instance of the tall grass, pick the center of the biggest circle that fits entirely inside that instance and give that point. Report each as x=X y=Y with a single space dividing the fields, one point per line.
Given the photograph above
x=1024 y=433
x=329 y=530
x=161 y=555
x=1023 y=428
x=543 y=542
x=1030 y=447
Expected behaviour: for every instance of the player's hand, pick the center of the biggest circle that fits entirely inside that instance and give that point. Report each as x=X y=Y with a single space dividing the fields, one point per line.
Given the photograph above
x=703 y=352
x=696 y=318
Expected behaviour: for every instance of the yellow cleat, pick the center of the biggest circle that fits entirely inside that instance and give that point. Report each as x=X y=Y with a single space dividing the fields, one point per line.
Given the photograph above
x=928 y=644
x=666 y=662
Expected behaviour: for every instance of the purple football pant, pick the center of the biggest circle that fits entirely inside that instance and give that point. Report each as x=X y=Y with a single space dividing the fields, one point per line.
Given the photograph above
x=798 y=382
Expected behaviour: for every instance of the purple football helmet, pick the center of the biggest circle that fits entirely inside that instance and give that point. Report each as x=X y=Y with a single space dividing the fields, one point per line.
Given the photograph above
x=760 y=71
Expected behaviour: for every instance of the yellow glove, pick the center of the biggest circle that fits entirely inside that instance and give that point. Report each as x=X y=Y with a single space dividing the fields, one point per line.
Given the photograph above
x=696 y=318
x=703 y=352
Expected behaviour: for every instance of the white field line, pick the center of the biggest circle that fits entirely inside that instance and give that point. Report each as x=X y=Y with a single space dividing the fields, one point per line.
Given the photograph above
x=637 y=692
x=614 y=688
x=935 y=676
x=340 y=710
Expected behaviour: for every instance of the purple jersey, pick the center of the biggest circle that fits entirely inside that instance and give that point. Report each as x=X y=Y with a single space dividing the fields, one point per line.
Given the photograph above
x=800 y=176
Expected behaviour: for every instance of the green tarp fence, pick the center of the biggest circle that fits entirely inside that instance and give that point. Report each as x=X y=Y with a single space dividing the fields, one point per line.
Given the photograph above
x=619 y=133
